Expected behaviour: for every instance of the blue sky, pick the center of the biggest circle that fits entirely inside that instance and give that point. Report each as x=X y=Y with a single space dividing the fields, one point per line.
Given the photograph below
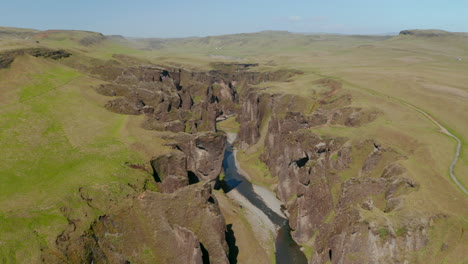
x=145 y=18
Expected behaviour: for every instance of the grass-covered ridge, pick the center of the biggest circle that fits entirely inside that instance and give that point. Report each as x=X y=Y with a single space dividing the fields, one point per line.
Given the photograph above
x=58 y=145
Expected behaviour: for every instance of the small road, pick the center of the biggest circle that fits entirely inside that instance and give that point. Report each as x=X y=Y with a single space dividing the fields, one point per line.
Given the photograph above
x=443 y=130
x=446 y=132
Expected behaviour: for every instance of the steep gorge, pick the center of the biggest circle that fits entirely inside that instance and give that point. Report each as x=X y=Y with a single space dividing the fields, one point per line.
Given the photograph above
x=327 y=211
x=181 y=213
x=337 y=191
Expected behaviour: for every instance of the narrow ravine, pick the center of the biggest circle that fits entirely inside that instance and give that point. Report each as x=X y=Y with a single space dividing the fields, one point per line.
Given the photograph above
x=286 y=249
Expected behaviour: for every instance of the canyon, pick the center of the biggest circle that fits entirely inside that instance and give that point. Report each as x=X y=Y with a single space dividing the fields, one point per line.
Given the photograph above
x=324 y=210
x=117 y=154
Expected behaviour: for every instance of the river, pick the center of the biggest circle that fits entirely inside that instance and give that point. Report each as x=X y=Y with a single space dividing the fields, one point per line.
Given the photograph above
x=286 y=249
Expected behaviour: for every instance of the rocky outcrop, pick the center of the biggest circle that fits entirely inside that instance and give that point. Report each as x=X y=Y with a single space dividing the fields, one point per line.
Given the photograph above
x=182 y=223
x=188 y=242
x=333 y=109
x=351 y=116
x=173 y=100
x=327 y=210
x=194 y=158
x=302 y=161
x=308 y=167
x=184 y=227
x=426 y=33
x=171 y=171
x=166 y=95
x=204 y=152
x=125 y=106
x=255 y=108
x=349 y=240
x=7 y=57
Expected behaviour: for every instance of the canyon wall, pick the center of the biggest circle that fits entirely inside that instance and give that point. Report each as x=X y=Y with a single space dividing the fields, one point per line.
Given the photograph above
x=178 y=221
x=330 y=184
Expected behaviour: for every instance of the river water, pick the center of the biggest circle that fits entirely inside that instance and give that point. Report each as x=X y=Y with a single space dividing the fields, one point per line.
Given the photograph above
x=286 y=249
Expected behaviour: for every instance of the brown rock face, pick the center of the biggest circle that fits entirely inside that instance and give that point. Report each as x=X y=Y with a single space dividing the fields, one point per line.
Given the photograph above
x=348 y=239
x=171 y=170
x=324 y=207
x=195 y=158
x=184 y=227
x=255 y=107
x=301 y=161
x=7 y=57
x=178 y=100
x=183 y=222
x=125 y=106
x=204 y=152
x=352 y=116
x=187 y=240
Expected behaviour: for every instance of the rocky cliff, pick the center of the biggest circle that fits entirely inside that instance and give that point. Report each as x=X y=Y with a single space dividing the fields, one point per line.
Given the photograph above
x=195 y=157
x=333 y=187
x=179 y=100
x=330 y=185
x=7 y=57
x=177 y=220
x=184 y=227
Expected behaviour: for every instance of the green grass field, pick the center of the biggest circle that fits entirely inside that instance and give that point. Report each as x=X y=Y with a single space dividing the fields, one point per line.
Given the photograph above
x=57 y=138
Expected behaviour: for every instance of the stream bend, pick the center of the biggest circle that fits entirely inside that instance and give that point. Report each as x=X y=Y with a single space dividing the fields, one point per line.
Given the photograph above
x=286 y=249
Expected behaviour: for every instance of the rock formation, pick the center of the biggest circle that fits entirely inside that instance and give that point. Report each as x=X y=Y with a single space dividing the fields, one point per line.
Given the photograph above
x=178 y=100
x=196 y=157
x=7 y=57
x=184 y=227
x=326 y=210
x=182 y=223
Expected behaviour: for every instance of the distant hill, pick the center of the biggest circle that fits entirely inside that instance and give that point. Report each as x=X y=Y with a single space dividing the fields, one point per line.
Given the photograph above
x=21 y=33
x=85 y=38
x=228 y=45
x=263 y=41
x=430 y=33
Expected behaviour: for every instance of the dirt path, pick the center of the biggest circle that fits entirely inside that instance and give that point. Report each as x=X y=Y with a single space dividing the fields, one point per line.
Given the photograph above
x=443 y=130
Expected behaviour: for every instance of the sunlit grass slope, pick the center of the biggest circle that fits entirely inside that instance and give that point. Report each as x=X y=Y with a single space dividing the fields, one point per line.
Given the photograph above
x=58 y=145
